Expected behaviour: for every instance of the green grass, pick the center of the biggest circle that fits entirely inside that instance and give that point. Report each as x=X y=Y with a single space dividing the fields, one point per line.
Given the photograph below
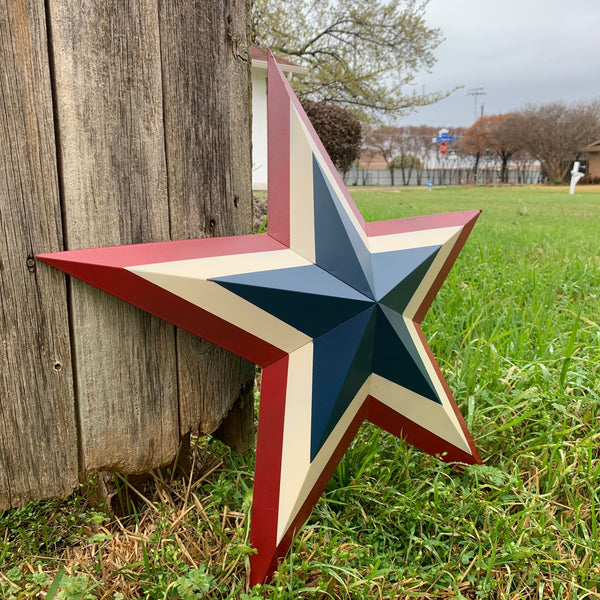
x=516 y=330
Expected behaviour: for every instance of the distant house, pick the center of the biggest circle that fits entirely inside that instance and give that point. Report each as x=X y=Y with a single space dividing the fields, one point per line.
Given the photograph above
x=259 y=111
x=592 y=153
x=372 y=159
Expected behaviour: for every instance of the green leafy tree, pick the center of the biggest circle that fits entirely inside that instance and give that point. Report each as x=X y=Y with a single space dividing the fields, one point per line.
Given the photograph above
x=339 y=130
x=360 y=55
x=407 y=161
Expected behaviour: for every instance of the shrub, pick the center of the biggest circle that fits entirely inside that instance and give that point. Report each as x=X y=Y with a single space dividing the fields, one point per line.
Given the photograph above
x=339 y=130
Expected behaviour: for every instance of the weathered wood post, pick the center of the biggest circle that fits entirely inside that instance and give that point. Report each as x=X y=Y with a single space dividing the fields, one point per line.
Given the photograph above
x=120 y=122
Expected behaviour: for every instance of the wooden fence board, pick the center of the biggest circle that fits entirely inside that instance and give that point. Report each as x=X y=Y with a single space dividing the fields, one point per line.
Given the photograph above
x=111 y=140
x=38 y=441
x=209 y=175
x=148 y=104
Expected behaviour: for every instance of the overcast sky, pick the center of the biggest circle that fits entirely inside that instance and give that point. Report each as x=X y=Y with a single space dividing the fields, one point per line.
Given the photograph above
x=519 y=51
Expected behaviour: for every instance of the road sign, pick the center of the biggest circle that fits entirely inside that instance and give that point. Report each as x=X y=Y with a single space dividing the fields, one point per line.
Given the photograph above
x=443 y=148
x=443 y=138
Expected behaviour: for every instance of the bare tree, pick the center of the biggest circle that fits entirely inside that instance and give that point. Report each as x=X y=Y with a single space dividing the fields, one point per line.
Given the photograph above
x=367 y=155
x=409 y=158
x=505 y=142
x=493 y=137
x=387 y=141
x=425 y=149
x=554 y=133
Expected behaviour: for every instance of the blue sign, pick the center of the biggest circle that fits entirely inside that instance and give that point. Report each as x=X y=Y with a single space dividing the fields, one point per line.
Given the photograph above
x=444 y=138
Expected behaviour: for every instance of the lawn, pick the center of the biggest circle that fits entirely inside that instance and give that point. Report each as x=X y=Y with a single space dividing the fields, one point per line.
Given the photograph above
x=516 y=331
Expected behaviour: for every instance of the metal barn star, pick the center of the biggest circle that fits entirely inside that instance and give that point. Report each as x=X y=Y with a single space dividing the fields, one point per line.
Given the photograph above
x=327 y=304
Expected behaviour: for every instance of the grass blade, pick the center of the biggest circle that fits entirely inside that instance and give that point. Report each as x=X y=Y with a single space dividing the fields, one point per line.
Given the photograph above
x=53 y=589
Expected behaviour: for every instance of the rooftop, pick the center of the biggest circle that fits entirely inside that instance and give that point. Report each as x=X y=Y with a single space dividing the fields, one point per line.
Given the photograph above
x=259 y=59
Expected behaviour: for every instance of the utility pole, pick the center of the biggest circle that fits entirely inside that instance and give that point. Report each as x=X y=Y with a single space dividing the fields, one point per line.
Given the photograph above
x=479 y=91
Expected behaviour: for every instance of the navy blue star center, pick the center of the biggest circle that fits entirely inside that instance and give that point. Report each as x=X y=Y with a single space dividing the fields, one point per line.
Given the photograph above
x=351 y=303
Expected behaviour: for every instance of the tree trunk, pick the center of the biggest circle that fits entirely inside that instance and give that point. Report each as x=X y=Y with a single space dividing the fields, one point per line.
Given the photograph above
x=476 y=167
x=504 y=169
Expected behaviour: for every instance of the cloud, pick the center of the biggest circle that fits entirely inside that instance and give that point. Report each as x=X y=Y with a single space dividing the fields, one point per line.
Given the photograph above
x=521 y=52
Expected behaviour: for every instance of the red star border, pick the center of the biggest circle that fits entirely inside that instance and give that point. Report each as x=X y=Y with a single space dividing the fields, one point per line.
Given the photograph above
x=327 y=304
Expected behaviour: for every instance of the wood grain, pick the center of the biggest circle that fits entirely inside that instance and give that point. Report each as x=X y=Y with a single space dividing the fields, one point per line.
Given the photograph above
x=121 y=122
x=153 y=108
x=38 y=441
x=111 y=139
x=206 y=71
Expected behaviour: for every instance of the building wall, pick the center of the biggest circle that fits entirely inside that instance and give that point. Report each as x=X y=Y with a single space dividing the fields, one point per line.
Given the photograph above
x=593 y=165
x=259 y=129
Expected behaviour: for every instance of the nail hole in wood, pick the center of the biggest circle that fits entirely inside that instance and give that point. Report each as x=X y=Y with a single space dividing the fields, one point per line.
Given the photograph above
x=30 y=264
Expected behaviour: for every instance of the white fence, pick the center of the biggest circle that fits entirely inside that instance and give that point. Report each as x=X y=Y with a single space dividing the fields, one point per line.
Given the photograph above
x=441 y=176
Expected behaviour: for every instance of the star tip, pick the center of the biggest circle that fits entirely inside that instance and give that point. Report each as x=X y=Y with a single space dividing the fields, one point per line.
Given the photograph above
x=259 y=575
x=272 y=62
x=473 y=457
x=49 y=258
x=472 y=216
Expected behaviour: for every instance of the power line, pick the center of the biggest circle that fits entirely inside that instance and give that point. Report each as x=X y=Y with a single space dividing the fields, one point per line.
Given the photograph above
x=478 y=91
